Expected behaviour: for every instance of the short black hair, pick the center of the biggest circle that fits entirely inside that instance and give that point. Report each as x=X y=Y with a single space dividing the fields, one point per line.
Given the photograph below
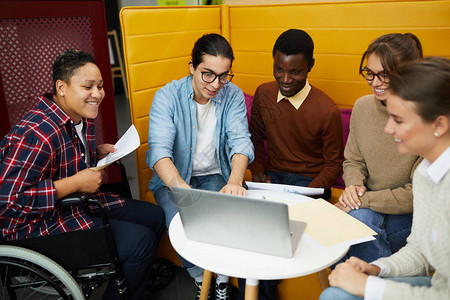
x=295 y=41
x=67 y=63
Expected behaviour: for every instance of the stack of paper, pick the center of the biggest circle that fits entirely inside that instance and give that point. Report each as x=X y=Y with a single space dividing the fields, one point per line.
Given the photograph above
x=284 y=188
x=329 y=225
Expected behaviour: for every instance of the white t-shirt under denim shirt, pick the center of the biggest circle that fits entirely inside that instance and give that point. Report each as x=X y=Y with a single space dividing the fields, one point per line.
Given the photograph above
x=205 y=157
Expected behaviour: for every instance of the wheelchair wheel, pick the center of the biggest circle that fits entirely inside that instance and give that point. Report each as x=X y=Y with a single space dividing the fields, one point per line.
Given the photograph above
x=26 y=274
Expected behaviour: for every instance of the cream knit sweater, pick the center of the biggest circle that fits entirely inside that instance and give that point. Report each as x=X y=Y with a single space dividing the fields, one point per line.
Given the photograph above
x=372 y=160
x=428 y=246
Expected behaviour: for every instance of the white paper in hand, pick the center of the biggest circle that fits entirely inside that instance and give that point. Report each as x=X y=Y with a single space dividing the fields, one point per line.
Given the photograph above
x=125 y=145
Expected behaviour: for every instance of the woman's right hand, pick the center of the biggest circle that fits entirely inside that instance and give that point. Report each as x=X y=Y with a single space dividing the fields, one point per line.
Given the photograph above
x=350 y=196
x=88 y=180
x=363 y=266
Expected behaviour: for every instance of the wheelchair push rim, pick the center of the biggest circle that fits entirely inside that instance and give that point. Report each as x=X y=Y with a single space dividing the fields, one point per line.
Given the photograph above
x=26 y=274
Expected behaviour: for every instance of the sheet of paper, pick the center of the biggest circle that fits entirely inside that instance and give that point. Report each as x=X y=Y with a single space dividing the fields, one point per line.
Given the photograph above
x=339 y=245
x=328 y=225
x=284 y=188
x=288 y=198
x=125 y=145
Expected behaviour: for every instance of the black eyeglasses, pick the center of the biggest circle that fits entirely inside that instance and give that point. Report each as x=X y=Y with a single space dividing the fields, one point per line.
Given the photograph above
x=369 y=75
x=209 y=77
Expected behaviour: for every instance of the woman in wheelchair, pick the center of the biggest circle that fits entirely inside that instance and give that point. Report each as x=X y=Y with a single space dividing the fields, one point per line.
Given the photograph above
x=47 y=156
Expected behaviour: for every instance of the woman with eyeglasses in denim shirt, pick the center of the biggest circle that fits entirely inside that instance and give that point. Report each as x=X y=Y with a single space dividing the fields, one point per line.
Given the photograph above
x=378 y=178
x=198 y=135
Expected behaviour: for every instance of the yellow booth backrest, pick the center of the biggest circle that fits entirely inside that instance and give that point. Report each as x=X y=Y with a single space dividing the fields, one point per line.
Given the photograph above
x=158 y=41
x=341 y=33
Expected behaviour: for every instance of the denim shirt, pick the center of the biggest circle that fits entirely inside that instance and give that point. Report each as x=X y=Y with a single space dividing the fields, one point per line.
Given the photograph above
x=173 y=128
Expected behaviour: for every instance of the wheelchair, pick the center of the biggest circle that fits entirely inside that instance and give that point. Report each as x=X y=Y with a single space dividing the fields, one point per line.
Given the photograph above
x=73 y=265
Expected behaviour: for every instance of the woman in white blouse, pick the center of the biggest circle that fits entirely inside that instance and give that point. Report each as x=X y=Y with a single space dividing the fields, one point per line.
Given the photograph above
x=419 y=120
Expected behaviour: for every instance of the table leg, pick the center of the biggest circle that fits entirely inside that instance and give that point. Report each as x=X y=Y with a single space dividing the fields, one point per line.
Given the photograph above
x=251 y=289
x=323 y=279
x=206 y=283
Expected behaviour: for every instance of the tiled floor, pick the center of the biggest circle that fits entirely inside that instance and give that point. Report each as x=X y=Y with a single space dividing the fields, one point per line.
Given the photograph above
x=181 y=287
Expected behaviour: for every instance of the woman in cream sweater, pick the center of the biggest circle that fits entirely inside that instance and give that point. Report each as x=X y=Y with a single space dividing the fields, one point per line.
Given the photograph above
x=419 y=119
x=377 y=177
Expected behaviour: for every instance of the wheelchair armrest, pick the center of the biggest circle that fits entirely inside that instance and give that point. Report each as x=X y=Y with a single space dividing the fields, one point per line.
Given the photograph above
x=73 y=199
x=83 y=199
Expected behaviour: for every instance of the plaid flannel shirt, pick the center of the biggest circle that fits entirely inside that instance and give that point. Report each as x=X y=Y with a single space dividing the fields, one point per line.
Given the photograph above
x=41 y=148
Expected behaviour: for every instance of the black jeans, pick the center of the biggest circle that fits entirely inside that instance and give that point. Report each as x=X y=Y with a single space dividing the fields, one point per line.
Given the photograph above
x=137 y=228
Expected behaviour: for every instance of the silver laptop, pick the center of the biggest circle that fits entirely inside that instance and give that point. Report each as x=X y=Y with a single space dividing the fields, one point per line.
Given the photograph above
x=238 y=222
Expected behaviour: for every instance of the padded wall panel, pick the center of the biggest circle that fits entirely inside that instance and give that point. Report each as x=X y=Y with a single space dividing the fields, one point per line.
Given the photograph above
x=341 y=33
x=336 y=67
x=246 y=63
x=144 y=172
x=248 y=82
x=136 y=20
x=141 y=154
x=143 y=101
x=327 y=66
x=356 y=40
x=338 y=41
x=344 y=93
x=168 y=45
x=142 y=128
x=157 y=73
x=395 y=14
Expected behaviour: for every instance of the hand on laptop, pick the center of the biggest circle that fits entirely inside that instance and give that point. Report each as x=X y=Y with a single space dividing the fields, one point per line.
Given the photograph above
x=233 y=189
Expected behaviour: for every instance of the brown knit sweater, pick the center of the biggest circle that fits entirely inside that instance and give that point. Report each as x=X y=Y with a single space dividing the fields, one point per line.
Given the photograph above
x=372 y=160
x=307 y=141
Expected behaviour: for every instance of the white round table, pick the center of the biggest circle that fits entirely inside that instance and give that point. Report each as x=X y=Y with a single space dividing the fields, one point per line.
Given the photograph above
x=308 y=258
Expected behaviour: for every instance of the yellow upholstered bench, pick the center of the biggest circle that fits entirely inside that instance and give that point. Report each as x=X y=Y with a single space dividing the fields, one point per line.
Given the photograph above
x=158 y=41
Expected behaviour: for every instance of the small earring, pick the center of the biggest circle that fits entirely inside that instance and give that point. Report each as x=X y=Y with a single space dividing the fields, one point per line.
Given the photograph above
x=436 y=134
x=62 y=94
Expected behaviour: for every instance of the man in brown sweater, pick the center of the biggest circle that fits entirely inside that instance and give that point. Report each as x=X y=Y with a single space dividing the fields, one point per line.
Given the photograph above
x=302 y=125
